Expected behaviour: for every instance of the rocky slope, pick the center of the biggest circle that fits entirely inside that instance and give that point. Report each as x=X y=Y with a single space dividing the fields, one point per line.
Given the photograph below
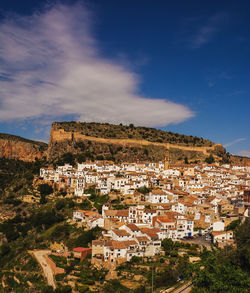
x=90 y=141
x=127 y=143
x=16 y=147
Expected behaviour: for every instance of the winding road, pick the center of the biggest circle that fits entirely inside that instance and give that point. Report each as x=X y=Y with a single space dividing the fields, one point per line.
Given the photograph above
x=40 y=255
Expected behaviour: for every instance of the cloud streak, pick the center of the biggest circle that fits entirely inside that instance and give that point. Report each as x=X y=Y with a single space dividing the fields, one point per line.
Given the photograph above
x=207 y=32
x=234 y=141
x=50 y=65
x=245 y=153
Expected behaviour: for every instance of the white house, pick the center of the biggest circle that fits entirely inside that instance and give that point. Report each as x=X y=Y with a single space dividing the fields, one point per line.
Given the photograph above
x=218 y=226
x=223 y=238
x=157 y=196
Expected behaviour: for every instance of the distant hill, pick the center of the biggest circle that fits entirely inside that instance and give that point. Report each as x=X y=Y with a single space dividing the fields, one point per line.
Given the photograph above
x=16 y=147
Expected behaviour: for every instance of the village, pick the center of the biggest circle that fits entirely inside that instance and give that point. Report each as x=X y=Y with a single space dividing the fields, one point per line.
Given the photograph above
x=157 y=201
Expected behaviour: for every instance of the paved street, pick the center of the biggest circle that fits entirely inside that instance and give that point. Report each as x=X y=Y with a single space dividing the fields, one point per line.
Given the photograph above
x=40 y=256
x=201 y=240
x=185 y=288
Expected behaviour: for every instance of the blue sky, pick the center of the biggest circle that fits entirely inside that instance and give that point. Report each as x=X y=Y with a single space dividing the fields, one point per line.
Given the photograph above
x=181 y=66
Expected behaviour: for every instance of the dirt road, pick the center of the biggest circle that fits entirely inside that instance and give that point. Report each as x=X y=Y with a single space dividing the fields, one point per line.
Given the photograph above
x=40 y=255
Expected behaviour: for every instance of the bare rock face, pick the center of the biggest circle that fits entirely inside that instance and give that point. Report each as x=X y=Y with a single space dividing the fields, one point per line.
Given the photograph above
x=14 y=147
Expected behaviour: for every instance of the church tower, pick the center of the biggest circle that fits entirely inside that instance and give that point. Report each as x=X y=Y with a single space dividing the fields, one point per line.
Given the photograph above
x=166 y=160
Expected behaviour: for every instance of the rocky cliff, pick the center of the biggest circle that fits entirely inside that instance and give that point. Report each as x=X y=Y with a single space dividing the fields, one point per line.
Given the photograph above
x=15 y=147
x=75 y=141
x=126 y=143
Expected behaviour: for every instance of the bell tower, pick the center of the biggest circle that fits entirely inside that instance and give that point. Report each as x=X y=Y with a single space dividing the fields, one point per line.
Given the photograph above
x=166 y=160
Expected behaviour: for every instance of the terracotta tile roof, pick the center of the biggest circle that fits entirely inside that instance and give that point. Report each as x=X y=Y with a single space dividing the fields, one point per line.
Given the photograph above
x=81 y=249
x=215 y=233
x=158 y=192
x=133 y=227
x=130 y=242
x=110 y=213
x=122 y=213
x=142 y=239
x=152 y=230
x=149 y=211
x=165 y=219
x=121 y=232
x=89 y=213
x=97 y=242
x=152 y=235
x=118 y=244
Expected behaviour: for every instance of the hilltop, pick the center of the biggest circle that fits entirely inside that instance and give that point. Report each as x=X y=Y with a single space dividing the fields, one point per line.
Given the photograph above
x=106 y=130
x=81 y=141
x=127 y=143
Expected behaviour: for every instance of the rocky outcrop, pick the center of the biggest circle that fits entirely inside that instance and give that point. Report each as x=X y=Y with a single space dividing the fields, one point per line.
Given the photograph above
x=66 y=138
x=14 y=147
x=106 y=142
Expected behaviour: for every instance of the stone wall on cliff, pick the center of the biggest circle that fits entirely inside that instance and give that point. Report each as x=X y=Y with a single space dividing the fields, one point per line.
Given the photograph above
x=130 y=150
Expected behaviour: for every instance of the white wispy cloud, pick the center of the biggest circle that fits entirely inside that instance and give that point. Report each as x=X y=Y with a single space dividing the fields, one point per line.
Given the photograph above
x=206 y=32
x=50 y=64
x=245 y=153
x=234 y=141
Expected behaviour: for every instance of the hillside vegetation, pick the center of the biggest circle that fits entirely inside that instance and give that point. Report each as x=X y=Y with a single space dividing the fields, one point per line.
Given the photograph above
x=119 y=143
x=106 y=130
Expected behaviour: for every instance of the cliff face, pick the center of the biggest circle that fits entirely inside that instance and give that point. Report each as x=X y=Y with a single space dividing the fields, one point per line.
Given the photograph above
x=75 y=138
x=14 y=147
x=95 y=141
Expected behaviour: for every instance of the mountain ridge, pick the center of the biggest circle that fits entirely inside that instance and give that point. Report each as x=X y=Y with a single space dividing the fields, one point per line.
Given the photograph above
x=90 y=141
x=17 y=147
x=127 y=143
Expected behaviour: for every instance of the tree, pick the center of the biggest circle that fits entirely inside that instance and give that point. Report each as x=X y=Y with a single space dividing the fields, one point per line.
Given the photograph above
x=45 y=189
x=135 y=259
x=168 y=245
x=5 y=249
x=115 y=286
x=43 y=199
x=242 y=238
x=141 y=289
x=60 y=204
x=186 y=160
x=233 y=225
x=64 y=289
x=48 y=289
x=12 y=235
x=220 y=275
x=166 y=278
x=68 y=158
x=210 y=159
x=143 y=190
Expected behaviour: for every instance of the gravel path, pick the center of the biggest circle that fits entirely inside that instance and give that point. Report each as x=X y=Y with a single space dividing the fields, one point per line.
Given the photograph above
x=40 y=255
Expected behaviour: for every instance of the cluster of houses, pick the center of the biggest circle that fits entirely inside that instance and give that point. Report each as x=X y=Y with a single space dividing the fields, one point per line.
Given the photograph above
x=180 y=200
